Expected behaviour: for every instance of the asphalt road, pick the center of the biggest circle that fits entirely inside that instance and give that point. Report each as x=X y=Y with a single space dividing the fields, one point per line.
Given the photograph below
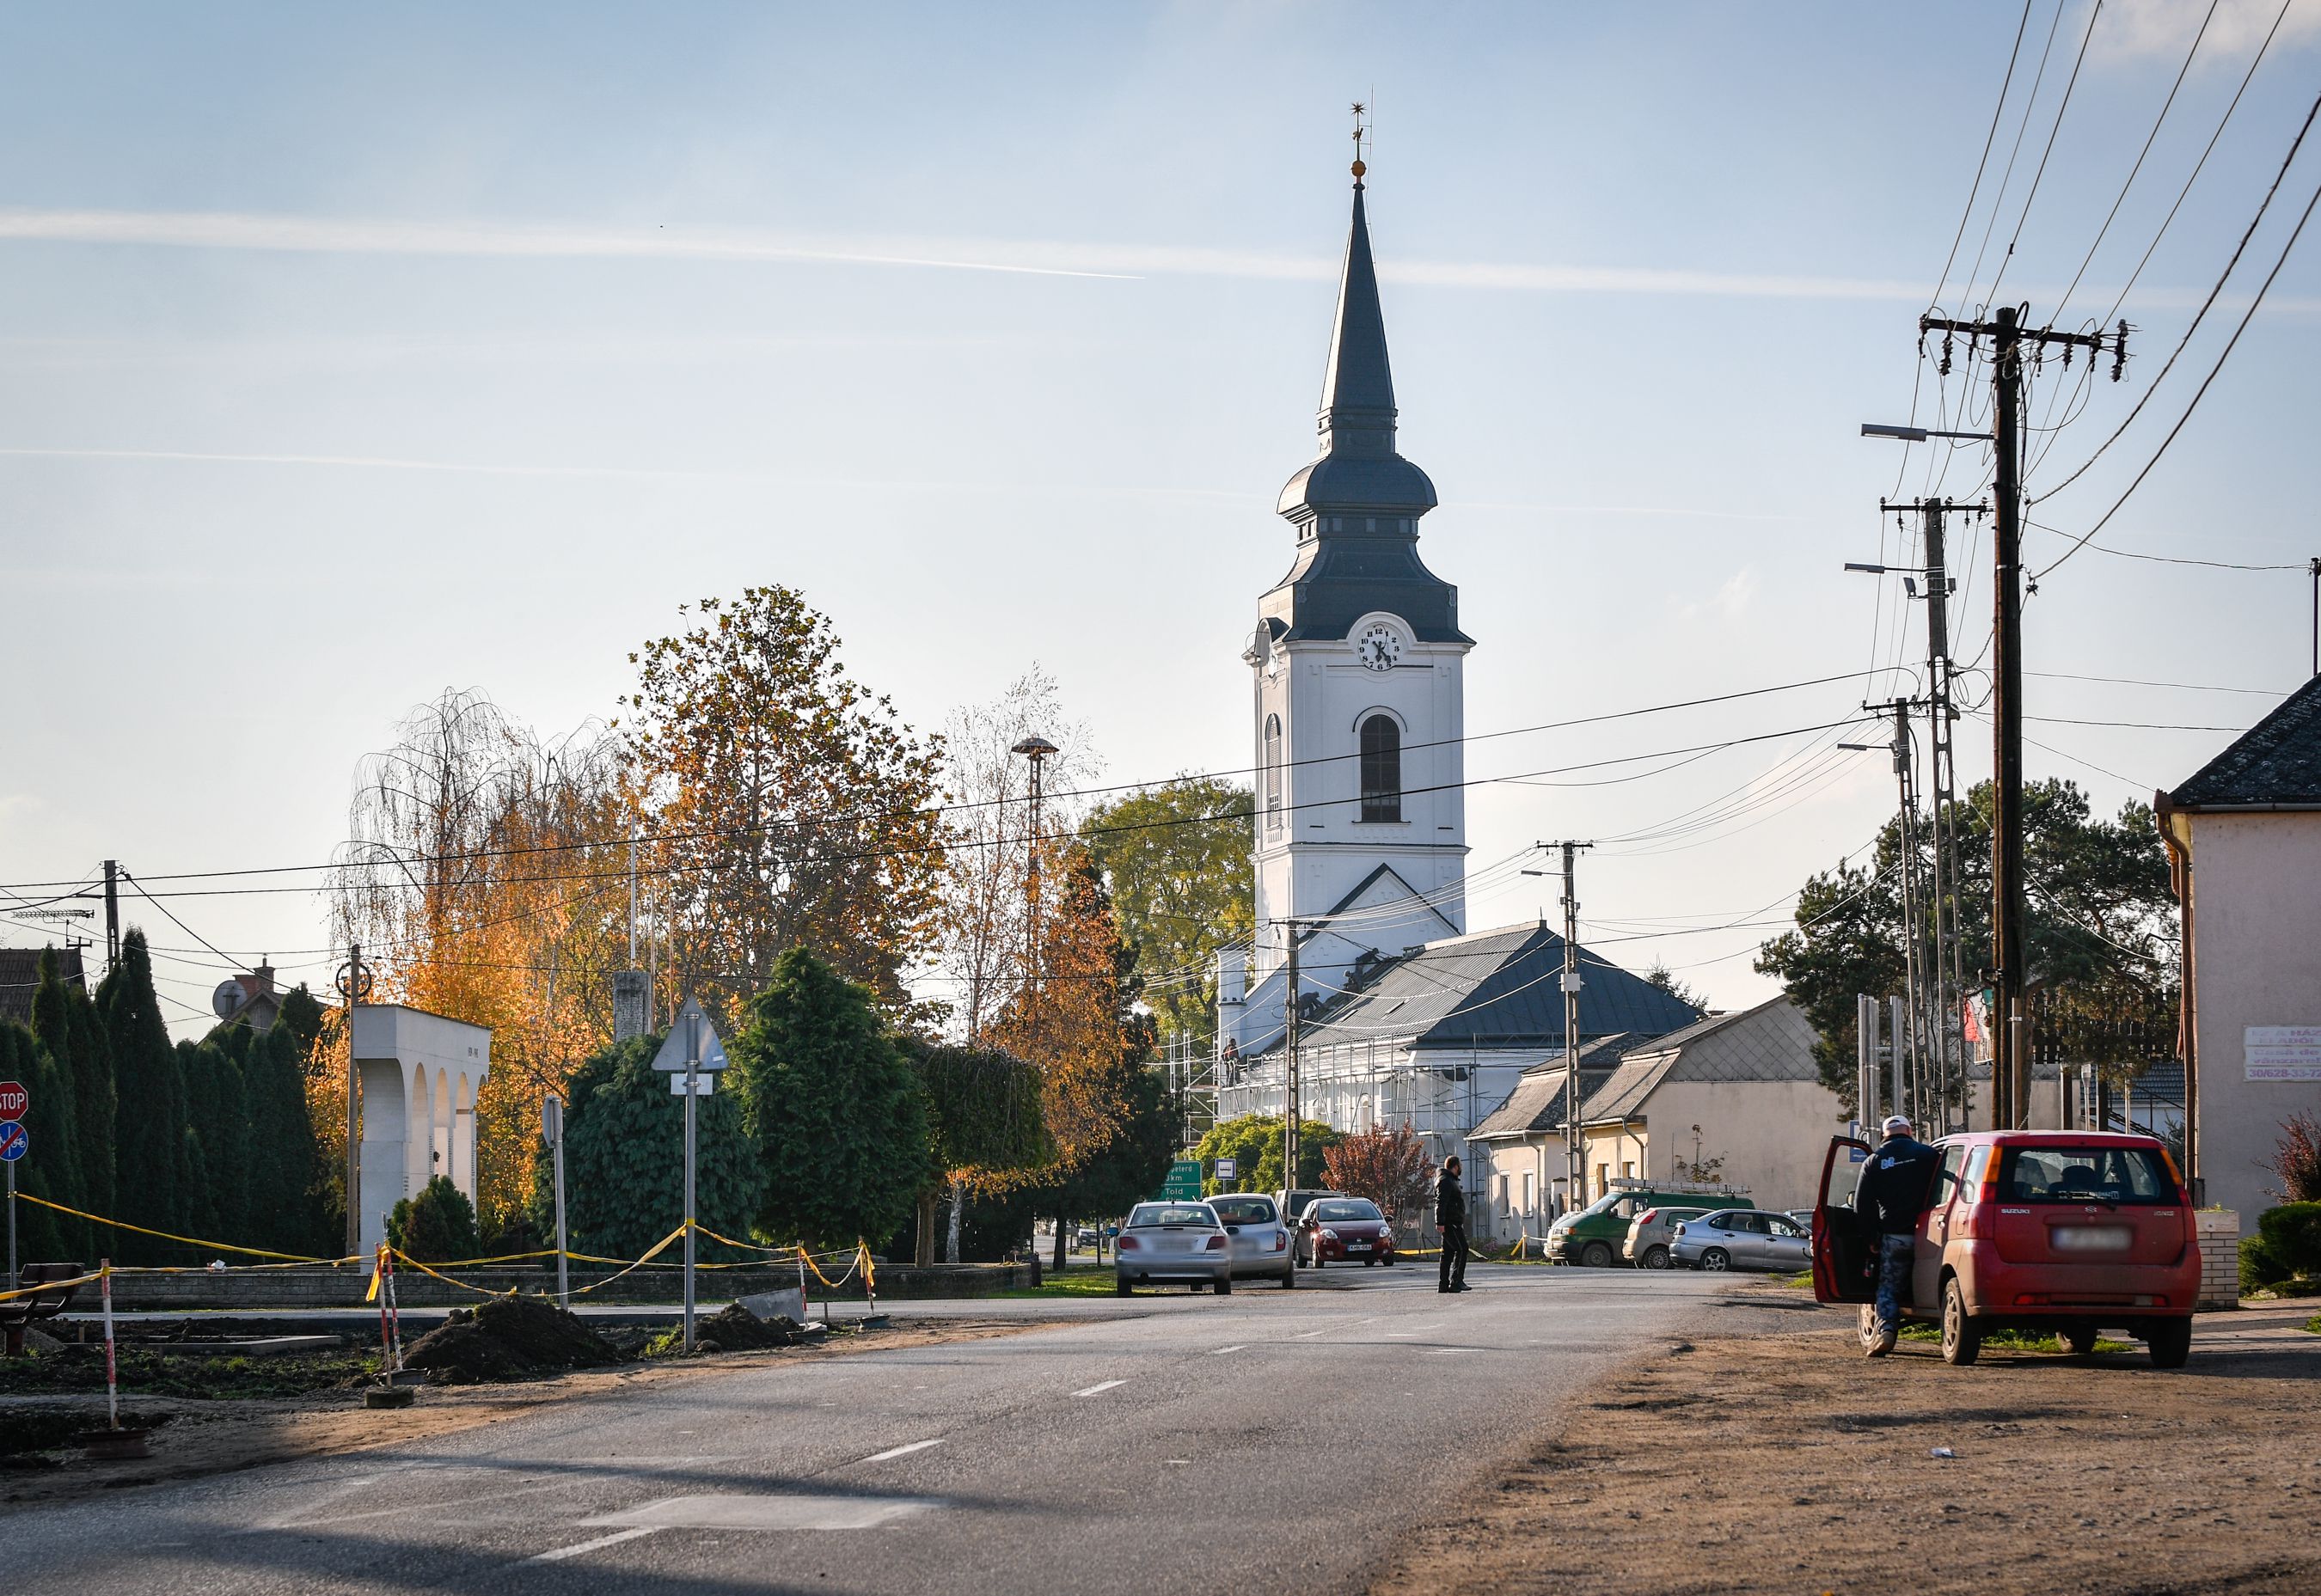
x=1188 y=1444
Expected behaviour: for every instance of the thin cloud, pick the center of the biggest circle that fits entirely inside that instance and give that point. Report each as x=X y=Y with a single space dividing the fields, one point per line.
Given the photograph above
x=208 y=230
x=2148 y=30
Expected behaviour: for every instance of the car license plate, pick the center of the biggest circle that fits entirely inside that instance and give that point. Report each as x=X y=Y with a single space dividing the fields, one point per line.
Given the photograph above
x=2091 y=1238
x=1358 y=1247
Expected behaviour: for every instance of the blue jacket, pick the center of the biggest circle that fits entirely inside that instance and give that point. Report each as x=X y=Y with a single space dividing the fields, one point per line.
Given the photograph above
x=1894 y=1185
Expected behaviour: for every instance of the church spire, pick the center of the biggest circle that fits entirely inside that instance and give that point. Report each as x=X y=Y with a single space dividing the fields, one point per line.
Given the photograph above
x=1358 y=388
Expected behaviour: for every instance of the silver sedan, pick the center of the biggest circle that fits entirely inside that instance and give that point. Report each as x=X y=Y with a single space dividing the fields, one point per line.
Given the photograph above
x=1742 y=1238
x=1179 y=1243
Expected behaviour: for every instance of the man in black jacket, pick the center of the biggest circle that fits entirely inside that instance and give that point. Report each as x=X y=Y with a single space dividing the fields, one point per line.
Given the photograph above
x=1451 y=1218
x=1890 y=1198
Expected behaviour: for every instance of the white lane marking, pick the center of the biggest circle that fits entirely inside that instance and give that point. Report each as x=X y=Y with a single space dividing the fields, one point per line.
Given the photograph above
x=1309 y=1335
x=1439 y=1351
x=903 y=1451
x=1099 y=1386
x=614 y=1539
x=1220 y=1351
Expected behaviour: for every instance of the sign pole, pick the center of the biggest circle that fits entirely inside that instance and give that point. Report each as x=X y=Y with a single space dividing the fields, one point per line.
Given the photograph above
x=551 y=1125
x=11 y=1224
x=692 y=1096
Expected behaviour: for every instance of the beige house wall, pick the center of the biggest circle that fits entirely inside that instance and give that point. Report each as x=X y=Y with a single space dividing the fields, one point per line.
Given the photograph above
x=1510 y=1209
x=2256 y=961
x=1771 y=1134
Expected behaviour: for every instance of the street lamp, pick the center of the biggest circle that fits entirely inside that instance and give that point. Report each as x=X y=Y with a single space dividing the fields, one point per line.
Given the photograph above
x=1914 y=434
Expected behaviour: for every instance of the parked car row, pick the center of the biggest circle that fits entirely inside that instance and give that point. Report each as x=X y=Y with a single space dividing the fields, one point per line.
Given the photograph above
x=1242 y=1236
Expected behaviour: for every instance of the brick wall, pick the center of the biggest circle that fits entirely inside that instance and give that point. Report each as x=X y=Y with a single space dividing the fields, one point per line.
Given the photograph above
x=2220 y=1257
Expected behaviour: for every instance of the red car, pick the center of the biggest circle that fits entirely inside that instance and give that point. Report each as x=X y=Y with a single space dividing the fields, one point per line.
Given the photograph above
x=2053 y=1231
x=1344 y=1230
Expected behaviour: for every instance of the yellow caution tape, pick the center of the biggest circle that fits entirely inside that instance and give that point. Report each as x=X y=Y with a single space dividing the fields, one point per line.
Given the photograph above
x=53 y=1286
x=256 y=1252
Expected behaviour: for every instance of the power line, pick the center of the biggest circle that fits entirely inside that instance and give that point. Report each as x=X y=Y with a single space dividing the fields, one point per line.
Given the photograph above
x=2169 y=559
x=2057 y=675
x=2077 y=62
x=2201 y=392
x=2121 y=198
x=2007 y=176
x=2205 y=305
x=938 y=810
x=1982 y=165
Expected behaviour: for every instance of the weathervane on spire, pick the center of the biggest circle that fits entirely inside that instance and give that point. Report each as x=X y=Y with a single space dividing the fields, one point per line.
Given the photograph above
x=1361 y=132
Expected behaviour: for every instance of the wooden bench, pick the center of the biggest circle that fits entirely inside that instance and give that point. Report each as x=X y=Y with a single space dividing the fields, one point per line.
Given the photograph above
x=19 y=1312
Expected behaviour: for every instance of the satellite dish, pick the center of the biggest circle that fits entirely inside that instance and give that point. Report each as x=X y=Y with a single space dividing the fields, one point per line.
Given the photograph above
x=227 y=998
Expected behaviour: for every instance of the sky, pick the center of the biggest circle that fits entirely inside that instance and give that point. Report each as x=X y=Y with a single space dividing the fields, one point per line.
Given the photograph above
x=348 y=355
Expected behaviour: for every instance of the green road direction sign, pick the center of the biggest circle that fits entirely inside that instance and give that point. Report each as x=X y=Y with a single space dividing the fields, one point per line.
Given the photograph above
x=1184 y=1181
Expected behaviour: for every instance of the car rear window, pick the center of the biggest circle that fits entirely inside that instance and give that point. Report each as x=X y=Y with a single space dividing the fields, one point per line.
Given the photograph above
x=1243 y=1211
x=1346 y=1208
x=1149 y=1214
x=2084 y=1175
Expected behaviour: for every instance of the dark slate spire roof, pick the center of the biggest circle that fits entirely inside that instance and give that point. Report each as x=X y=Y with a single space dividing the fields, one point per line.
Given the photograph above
x=2276 y=761
x=1356 y=506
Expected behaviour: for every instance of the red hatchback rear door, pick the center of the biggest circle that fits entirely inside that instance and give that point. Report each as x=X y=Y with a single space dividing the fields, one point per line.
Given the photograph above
x=1844 y=1249
x=2098 y=1203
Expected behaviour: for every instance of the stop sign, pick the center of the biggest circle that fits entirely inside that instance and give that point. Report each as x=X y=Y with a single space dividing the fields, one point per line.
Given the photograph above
x=14 y=1101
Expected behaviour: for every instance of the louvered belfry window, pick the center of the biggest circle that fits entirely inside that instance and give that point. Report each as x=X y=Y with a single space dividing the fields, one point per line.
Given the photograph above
x=1381 y=769
x=1273 y=773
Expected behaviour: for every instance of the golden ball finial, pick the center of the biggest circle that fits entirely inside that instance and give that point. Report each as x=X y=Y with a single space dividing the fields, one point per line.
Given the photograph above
x=1360 y=169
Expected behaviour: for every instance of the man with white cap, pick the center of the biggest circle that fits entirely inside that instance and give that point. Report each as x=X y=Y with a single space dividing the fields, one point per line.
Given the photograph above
x=1890 y=1198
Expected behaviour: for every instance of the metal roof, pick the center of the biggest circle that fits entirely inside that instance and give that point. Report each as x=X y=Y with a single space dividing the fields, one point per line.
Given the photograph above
x=2276 y=761
x=1494 y=988
x=1535 y=1104
x=1773 y=1041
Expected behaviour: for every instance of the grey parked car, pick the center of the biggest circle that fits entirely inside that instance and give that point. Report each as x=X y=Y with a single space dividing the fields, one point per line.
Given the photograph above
x=1742 y=1238
x=1180 y=1242
x=1650 y=1233
x=1256 y=1239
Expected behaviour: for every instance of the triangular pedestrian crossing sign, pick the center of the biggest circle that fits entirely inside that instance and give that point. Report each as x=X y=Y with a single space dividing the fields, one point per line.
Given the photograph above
x=692 y=1036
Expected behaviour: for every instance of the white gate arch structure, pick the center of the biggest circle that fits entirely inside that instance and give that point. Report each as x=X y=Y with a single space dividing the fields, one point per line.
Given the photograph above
x=420 y=1075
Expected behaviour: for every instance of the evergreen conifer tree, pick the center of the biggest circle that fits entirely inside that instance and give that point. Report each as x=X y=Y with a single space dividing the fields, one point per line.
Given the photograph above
x=623 y=1159
x=217 y=1202
x=282 y=1210
x=150 y=1142
x=837 y=1116
x=65 y=1021
x=56 y=1109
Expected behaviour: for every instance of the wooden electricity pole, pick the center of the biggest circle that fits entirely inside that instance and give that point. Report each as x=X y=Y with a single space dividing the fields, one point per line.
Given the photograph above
x=2009 y=926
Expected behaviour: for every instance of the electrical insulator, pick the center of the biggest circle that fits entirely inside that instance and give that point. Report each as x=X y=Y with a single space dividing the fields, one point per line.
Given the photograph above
x=1944 y=369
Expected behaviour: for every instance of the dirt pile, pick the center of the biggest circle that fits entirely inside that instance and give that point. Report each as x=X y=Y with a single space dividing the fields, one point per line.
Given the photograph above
x=734 y=1328
x=508 y=1338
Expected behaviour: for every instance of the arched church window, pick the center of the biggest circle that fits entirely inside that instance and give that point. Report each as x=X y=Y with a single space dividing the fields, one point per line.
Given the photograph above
x=1273 y=773
x=1381 y=769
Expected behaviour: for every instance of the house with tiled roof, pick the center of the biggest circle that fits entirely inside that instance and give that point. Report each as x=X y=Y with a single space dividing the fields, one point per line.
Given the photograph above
x=1439 y=1037
x=19 y=977
x=1734 y=1097
x=2244 y=836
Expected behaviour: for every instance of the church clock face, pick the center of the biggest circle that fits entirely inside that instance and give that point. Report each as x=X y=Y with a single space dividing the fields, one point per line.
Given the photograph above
x=1379 y=649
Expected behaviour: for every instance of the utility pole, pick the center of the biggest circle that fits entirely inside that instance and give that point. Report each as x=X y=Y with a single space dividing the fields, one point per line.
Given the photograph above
x=354 y=983
x=112 y=914
x=1292 y=1099
x=1909 y=1044
x=2315 y=569
x=1036 y=749
x=2010 y=1075
x=1575 y=1191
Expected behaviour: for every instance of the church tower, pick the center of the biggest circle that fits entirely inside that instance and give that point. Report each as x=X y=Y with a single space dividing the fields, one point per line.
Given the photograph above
x=1356 y=704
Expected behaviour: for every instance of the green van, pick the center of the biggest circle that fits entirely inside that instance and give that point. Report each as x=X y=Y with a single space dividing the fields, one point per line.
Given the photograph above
x=1593 y=1236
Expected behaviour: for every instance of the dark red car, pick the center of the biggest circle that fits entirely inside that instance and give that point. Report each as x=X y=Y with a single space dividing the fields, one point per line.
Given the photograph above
x=2064 y=1232
x=1344 y=1230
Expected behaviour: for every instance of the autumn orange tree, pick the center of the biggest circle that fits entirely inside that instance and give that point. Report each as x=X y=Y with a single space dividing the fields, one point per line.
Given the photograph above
x=1077 y=1021
x=789 y=805
x=1390 y=1167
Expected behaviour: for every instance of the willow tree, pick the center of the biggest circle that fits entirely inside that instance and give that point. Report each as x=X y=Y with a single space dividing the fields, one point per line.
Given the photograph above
x=984 y=937
x=488 y=881
x=791 y=806
x=985 y=1132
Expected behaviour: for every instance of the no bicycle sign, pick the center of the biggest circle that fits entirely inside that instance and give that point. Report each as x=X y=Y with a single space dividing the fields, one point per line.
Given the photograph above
x=14 y=1142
